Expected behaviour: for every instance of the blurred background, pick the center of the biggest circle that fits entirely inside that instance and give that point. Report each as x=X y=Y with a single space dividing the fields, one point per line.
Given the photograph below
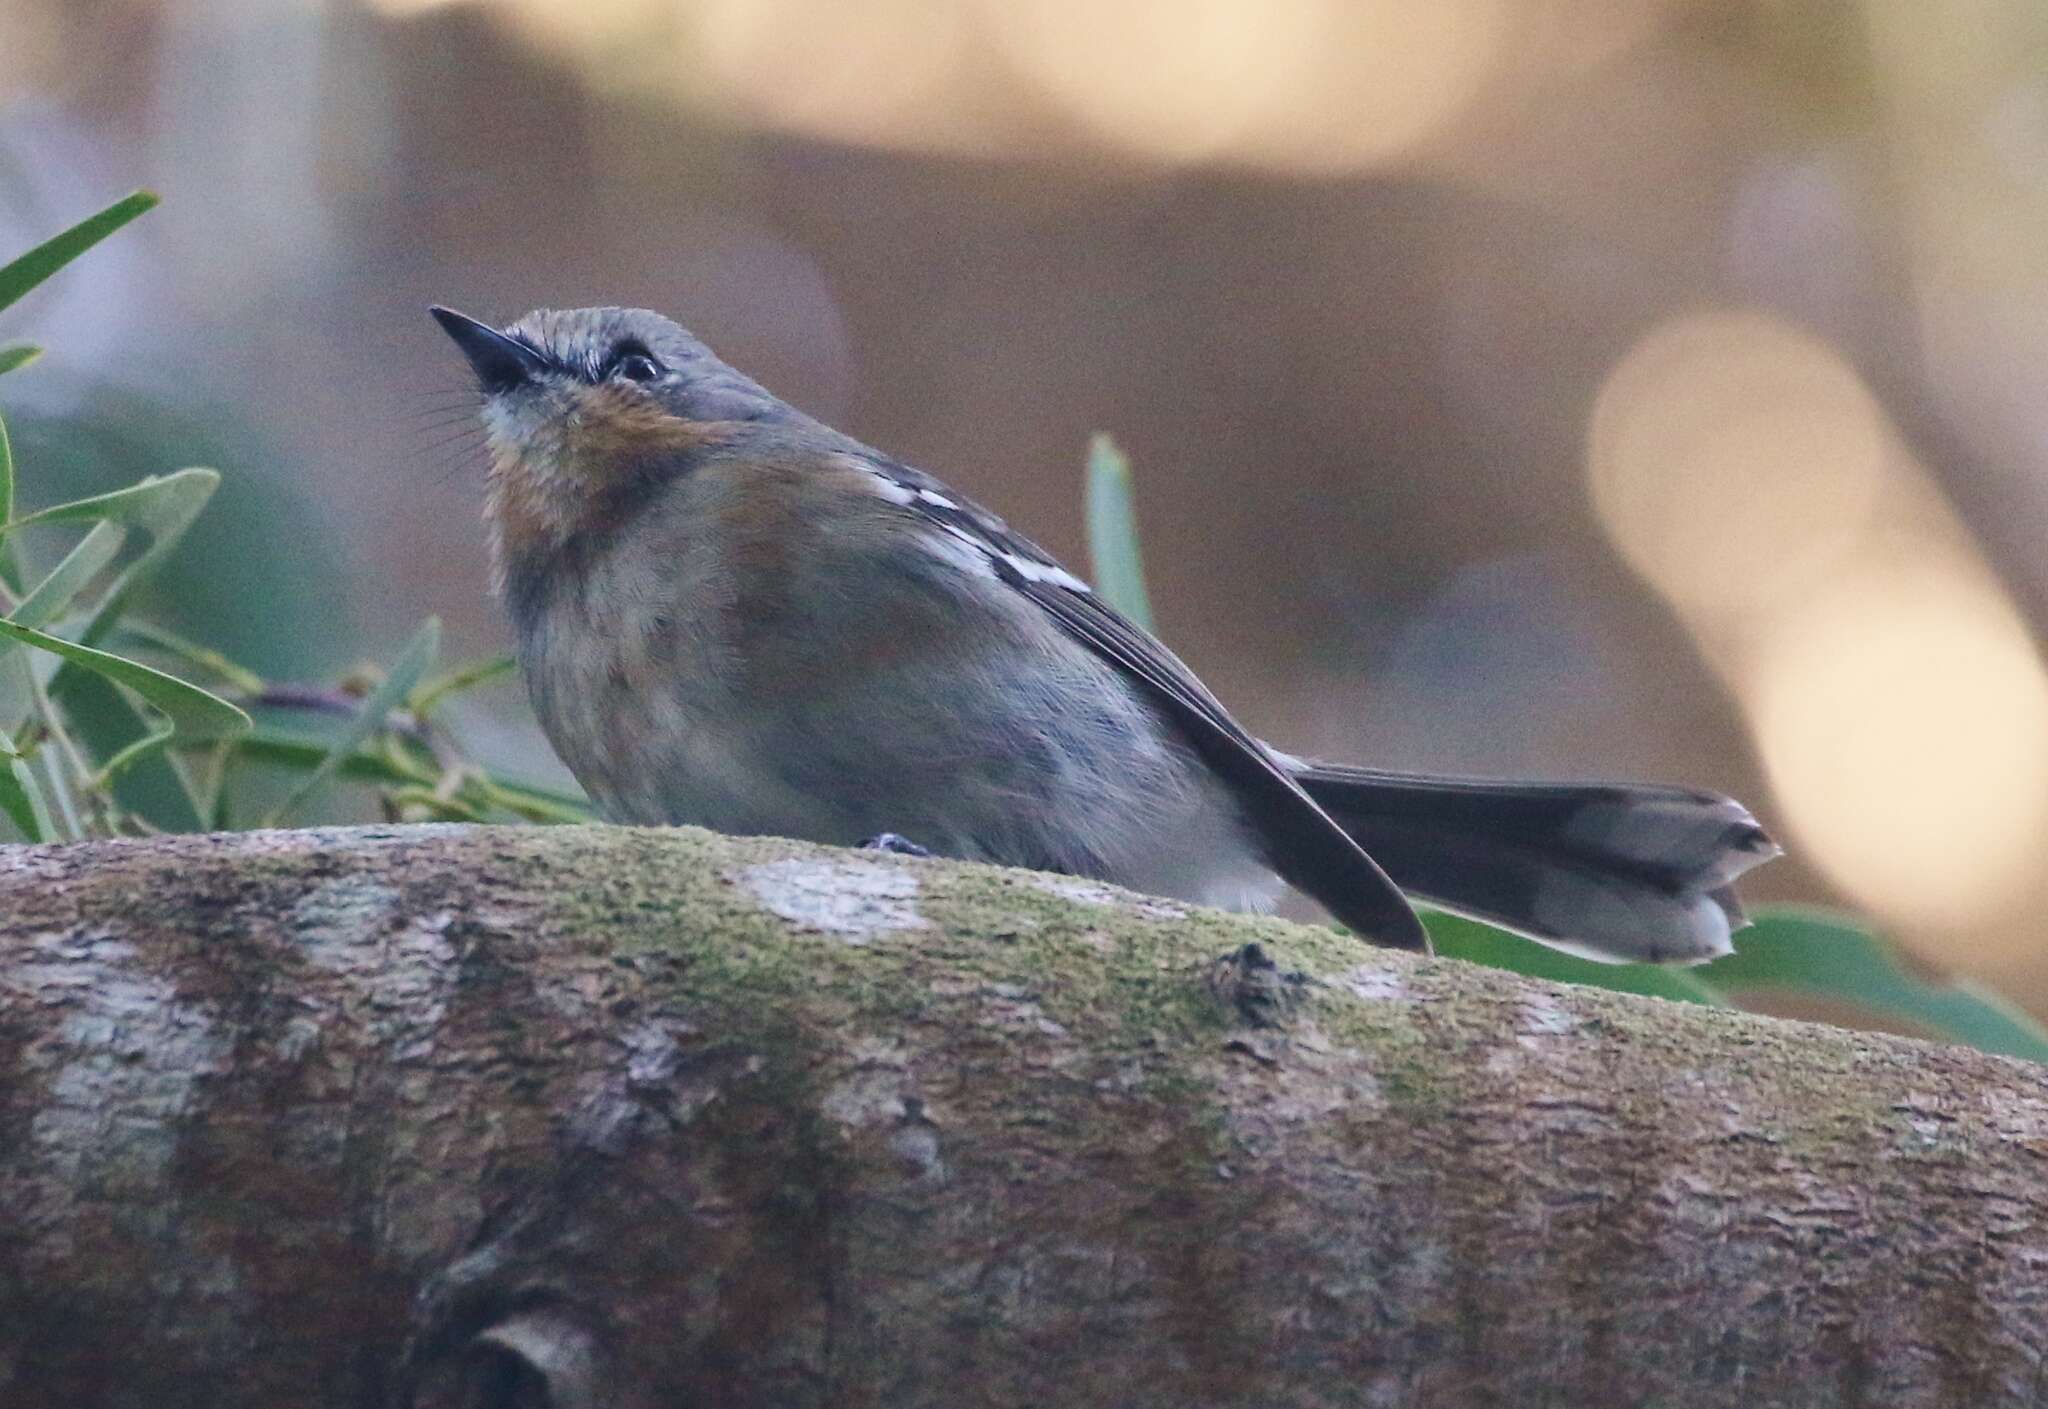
x=1646 y=388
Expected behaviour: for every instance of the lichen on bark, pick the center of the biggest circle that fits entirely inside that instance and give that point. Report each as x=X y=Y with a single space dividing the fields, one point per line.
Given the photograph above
x=655 y=1117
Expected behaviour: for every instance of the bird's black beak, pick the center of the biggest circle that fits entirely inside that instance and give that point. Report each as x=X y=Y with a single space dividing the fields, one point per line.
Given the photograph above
x=500 y=362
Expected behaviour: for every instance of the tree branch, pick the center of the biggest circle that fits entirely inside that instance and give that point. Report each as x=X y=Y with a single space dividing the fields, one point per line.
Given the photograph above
x=456 y=1115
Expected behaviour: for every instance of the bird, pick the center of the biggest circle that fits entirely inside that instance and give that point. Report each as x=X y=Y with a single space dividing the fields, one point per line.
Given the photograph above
x=731 y=615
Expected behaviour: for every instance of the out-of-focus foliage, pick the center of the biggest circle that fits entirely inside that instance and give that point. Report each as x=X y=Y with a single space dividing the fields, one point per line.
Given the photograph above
x=1797 y=952
x=1790 y=955
x=1113 y=532
x=70 y=657
x=1787 y=953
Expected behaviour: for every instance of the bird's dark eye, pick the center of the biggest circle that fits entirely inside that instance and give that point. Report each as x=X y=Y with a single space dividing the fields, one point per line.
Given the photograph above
x=636 y=367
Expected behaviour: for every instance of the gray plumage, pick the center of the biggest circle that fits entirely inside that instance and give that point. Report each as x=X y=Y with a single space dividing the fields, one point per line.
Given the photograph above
x=732 y=615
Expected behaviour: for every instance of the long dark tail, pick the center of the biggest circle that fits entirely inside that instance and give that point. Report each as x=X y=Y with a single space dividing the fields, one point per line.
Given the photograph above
x=1613 y=872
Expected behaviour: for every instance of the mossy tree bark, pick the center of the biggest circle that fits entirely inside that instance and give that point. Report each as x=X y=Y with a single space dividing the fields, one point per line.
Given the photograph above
x=602 y=1116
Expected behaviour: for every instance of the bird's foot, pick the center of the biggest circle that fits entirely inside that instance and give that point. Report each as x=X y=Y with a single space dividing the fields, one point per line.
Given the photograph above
x=890 y=842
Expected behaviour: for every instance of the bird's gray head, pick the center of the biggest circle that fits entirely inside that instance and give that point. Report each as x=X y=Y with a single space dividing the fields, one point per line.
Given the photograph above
x=586 y=408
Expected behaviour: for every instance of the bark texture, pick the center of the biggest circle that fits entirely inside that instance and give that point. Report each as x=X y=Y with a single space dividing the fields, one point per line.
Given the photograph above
x=468 y=1116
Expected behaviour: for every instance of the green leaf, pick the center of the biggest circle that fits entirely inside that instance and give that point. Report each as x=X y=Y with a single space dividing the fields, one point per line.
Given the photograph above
x=413 y=662
x=194 y=715
x=535 y=804
x=20 y=355
x=6 y=480
x=204 y=658
x=21 y=798
x=466 y=676
x=10 y=570
x=161 y=507
x=53 y=254
x=150 y=504
x=1810 y=953
x=47 y=601
x=134 y=752
x=1460 y=938
x=284 y=748
x=295 y=752
x=1119 y=572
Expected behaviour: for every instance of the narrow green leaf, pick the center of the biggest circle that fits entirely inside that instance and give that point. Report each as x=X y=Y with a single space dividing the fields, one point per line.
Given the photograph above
x=53 y=254
x=204 y=658
x=413 y=662
x=163 y=508
x=455 y=680
x=221 y=818
x=19 y=702
x=150 y=503
x=535 y=804
x=20 y=355
x=1460 y=938
x=133 y=752
x=9 y=566
x=6 y=491
x=195 y=715
x=1119 y=571
x=287 y=749
x=441 y=809
x=281 y=748
x=1807 y=952
x=48 y=599
x=198 y=774
x=21 y=798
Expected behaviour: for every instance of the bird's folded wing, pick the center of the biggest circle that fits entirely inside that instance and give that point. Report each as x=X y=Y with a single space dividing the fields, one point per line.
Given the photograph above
x=1301 y=842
